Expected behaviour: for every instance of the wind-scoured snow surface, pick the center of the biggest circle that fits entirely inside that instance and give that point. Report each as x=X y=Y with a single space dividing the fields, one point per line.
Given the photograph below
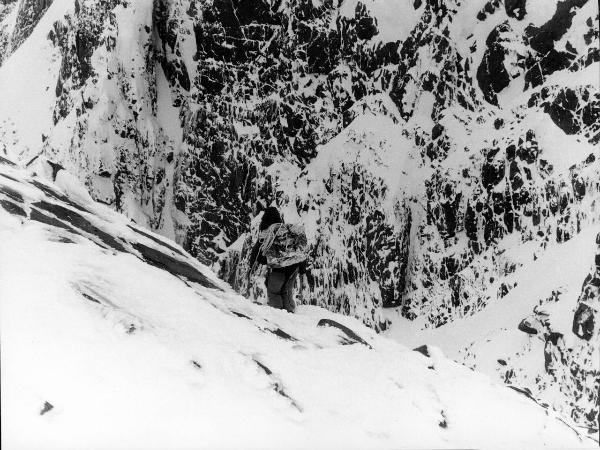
x=112 y=337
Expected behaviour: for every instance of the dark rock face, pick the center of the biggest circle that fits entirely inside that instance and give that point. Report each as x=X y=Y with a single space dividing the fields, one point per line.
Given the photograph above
x=28 y=15
x=54 y=194
x=516 y=8
x=158 y=241
x=584 y=322
x=545 y=59
x=526 y=327
x=351 y=335
x=542 y=38
x=46 y=408
x=62 y=214
x=77 y=39
x=492 y=75
x=575 y=111
x=585 y=319
x=12 y=208
x=175 y=266
x=423 y=349
x=250 y=54
x=448 y=77
x=538 y=58
x=6 y=162
x=563 y=111
x=366 y=26
x=39 y=216
x=78 y=221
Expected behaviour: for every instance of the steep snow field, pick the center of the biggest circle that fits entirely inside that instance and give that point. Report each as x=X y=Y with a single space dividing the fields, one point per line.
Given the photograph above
x=102 y=349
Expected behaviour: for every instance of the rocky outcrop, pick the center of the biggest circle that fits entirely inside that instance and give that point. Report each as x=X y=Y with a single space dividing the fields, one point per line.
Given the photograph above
x=32 y=199
x=28 y=14
x=586 y=317
x=492 y=75
x=6 y=27
x=570 y=379
x=265 y=95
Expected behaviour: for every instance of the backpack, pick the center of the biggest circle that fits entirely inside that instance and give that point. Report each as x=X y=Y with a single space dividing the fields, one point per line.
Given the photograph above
x=284 y=245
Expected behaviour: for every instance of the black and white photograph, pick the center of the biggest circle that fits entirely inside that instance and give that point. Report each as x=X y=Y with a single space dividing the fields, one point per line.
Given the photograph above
x=299 y=224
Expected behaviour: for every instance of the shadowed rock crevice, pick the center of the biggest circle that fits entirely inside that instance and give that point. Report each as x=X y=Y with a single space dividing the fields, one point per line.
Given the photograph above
x=349 y=334
x=277 y=385
x=90 y=298
x=282 y=334
x=8 y=177
x=239 y=314
x=173 y=266
x=46 y=408
x=80 y=223
x=11 y=193
x=155 y=239
x=423 y=350
x=60 y=216
x=6 y=162
x=586 y=317
x=52 y=193
x=38 y=216
x=492 y=75
x=12 y=208
x=196 y=364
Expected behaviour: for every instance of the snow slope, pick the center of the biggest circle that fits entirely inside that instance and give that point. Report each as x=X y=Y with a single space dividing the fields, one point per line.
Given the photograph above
x=102 y=348
x=527 y=339
x=419 y=140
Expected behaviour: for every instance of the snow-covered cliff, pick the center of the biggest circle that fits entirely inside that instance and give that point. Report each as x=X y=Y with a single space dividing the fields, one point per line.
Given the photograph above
x=419 y=141
x=114 y=337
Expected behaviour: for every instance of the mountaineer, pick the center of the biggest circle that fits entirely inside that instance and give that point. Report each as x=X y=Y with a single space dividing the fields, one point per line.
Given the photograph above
x=283 y=248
